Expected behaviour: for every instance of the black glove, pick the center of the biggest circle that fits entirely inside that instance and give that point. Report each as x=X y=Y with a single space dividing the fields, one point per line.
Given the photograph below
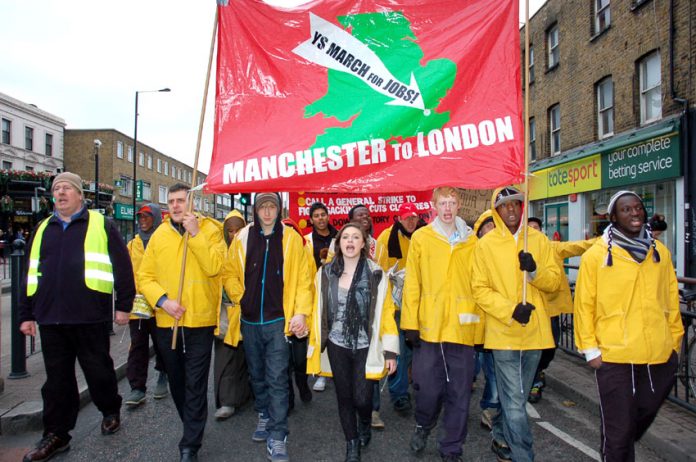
x=412 y=338
x=527 y=262
x=522 y=312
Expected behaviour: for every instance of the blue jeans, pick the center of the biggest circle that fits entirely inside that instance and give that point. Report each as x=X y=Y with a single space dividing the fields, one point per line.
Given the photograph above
x=514 y=372
x=398 y=381
x=268 y=356
x=489 y=399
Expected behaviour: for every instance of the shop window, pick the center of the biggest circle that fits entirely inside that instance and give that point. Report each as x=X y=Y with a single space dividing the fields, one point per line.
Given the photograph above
x=555 y=129
x=650 y=88
x=605 y=108
x=6 y=131
x=602 y=16
x=552 y=47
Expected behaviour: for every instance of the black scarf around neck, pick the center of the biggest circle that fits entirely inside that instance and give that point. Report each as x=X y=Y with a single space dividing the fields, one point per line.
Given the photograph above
x=357 y=305
x=393 y=245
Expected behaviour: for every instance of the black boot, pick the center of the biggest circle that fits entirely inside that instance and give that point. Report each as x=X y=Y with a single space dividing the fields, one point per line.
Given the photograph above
x=364 y=433
x=353 y=450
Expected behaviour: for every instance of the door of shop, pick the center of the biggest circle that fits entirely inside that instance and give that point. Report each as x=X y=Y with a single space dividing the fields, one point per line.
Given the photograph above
x=556 y=216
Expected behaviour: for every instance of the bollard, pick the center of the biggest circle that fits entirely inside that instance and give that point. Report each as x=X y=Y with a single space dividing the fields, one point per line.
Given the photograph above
x=19 y=348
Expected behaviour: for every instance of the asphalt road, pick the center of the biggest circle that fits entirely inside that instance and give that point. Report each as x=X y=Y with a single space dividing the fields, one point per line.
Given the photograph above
x=563 y=431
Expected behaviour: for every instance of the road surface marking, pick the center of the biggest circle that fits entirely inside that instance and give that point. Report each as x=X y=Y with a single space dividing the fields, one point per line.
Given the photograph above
x=570 y=440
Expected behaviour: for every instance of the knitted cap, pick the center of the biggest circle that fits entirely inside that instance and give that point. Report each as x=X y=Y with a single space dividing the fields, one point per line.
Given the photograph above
x=260 y=198
x=615 y=197
x=73 y=179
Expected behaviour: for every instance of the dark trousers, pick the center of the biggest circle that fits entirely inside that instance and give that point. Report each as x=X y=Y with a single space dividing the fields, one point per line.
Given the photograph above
x=297 y=365
x=187 y=370
x=353 y=390
x=141 y=330
x=231 y=376
x=629 y=398
x=442 y=376
x=548 y=354
x=60 y=346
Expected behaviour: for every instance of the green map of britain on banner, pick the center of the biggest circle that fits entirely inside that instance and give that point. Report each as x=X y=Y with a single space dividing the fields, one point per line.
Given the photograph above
x=376 y=82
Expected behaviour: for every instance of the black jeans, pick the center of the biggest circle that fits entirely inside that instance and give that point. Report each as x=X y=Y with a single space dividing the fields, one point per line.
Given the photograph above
x=141 y=330
x=60 y=346
x=353 y=390
x=187 y=370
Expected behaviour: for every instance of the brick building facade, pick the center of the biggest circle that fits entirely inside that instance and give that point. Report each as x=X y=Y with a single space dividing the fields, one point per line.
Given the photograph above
x=611 y=98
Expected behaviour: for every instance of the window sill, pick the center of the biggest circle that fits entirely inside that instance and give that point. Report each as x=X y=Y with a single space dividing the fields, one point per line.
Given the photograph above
x=552 y=68
x=600 y=33
x=636 y=4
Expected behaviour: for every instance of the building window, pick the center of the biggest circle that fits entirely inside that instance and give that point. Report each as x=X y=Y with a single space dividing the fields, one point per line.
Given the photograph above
x=146 y=191
x=162 y=194
x=555 y=129
x=552 y=44
x=605 y=108
x=602 y=15
x=159 y=165
x=126 y=185
x=650 y=88
x=6 y=165
x=141 y=159
x=532 y=139
x=149 y=161
x=178 y=174
x=166 y=168
x=119 y=149
x=6 y=131
x=49 y=144
x=29 y=168
x=130 y=153
x=28 y=138
x=531 y=64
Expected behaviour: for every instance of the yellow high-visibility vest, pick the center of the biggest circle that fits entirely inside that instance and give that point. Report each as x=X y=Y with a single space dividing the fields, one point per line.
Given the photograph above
x=99 y=273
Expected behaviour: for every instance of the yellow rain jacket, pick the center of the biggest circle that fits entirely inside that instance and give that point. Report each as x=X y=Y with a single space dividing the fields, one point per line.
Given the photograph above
x=437 y=298
x=234 y=314
x=297 y=296
x=497 y=286
x=629 y=311
x=561 y=301
x=160 y=272
x=136 y=249
x=404 y=243
x=384 y=335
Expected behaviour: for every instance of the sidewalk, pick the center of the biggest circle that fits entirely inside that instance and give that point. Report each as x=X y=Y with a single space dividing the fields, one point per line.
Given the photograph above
x=20 y=402
x=673 y=433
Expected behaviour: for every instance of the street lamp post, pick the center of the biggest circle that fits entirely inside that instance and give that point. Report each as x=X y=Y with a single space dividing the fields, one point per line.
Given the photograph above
x=135 y=149
x=97 y=145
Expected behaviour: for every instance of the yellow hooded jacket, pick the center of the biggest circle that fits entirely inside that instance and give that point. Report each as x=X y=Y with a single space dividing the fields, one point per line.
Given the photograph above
x=160 y=271
x=497 y=286
x=404 y=243
x=561 y=301
x=437 y=298
x=628 y=311
x=234 y=314
x=297 y=296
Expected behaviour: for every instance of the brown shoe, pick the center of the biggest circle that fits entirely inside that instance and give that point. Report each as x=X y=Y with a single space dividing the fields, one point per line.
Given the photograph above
x=111 y=424
x=49 y=446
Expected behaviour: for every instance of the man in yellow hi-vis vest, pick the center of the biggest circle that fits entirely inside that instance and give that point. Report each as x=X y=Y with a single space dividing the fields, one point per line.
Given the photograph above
x=77 y=259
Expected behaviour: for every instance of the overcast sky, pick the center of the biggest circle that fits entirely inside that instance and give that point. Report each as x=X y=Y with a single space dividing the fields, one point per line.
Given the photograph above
x=83 y=60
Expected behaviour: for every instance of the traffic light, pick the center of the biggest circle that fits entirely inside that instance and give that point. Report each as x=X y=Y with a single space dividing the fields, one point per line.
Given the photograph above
x=245 y=199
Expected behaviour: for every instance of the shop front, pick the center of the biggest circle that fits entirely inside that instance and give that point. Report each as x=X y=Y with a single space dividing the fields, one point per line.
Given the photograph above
x=571 y=192
x=123 y=217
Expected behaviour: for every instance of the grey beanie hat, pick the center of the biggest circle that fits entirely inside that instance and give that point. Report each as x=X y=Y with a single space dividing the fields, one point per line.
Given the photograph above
x=72 y=178
x=260 y=198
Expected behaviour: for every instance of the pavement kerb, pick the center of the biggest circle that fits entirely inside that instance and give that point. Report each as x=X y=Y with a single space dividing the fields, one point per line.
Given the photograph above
x=670 y=440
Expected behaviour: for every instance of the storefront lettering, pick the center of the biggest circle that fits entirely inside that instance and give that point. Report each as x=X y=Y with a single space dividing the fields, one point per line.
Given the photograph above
x=654 y=159
x=572 y=174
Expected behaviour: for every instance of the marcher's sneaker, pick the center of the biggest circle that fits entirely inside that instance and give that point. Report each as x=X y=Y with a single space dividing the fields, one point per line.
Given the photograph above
x=277 y=450
x=419 y=439
x=534 y=394
x=320 y=384
x=162 y=387
x=111 y=424
x=49 y=446
x=402 y=404
x=224 y=412
x=377 y=422
x=501 y=451
x=487 y=416
x=260 y=434
x=135 y=398
x=451 y=458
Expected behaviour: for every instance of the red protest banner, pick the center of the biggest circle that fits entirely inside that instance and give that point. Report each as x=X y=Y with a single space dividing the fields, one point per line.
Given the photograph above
x=383 y=207
x=369 y=96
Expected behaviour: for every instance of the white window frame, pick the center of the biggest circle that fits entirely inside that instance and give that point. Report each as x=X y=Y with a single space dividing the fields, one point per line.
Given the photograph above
x=147 y=191
x=141 y=158
x=130 y=154
x=119 y=149
x=29 y=138
x=149 y=161
x=532 y=139
x=162 y=194
x=48 y=145
x=605 y=108
x=531 y=64
x=650 y=88
x=159 y=165
x=7 y=122
x=553 y=41
x=555 y=129
x=166 y=168
x=126 y=186
x=602 y=17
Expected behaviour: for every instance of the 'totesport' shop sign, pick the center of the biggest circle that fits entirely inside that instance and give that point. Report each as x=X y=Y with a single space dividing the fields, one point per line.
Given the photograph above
x=649 y=160
x=384 y=208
